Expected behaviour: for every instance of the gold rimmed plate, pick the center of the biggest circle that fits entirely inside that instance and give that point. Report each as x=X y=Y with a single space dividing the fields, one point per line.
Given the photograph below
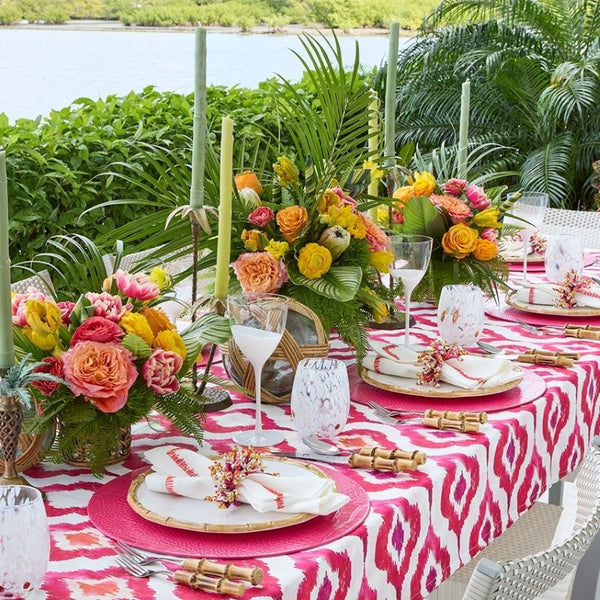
x=410 y=387
x=546 y=309
x=204 y=516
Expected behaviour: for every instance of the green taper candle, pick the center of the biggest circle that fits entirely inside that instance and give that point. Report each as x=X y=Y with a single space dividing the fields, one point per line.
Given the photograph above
x=374 y=133
x=7 y=351
x=226 y=190
x=390 y=95
x=463 y=133
x=199 y=140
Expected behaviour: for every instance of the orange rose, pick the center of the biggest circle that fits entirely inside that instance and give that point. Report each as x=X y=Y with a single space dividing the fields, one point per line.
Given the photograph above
x=485 y=250
x=460 y=240
x=259 y=272
x=404 y=194
x=248 y=179
x=291 y=221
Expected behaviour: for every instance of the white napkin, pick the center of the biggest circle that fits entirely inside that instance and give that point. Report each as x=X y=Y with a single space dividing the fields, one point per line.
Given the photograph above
x=183 y=472
x=468 y=372
x=546 y=293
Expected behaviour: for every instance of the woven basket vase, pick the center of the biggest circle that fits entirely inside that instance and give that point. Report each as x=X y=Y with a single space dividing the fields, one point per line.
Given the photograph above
x=80 y=456
x=304 y=337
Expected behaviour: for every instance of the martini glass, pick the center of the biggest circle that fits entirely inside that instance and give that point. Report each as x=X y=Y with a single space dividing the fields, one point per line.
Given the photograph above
x=257 y=325
x=529 y=210
x=411 y=259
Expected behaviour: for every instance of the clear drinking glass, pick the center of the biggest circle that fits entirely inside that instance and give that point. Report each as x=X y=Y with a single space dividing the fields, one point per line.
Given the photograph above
x=257 y=325
x=529 y=211
x=564 y=253
x=461 y=314
x=411 y=259
x=24 y=540
x=320 y=400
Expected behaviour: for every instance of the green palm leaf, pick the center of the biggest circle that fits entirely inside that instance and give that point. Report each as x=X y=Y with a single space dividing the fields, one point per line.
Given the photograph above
x=339 y=283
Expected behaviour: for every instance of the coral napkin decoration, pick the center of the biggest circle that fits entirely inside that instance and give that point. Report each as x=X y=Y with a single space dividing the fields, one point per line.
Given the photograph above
x=573 y=285
x=433 y=359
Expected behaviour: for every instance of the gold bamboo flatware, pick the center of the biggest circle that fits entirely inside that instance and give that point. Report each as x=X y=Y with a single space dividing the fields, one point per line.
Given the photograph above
x=586 y=332
x=253 y=575
x=196 y=581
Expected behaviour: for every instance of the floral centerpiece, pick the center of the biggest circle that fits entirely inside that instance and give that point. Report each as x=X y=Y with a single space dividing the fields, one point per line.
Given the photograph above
x=465 y=223
x=117 y=356
x=316 y=246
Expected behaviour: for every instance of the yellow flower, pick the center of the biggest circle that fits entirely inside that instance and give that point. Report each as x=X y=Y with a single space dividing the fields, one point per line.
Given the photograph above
x=138 y=324
x=43 y=322
x=404 y=194
x=157 y=319
x=382 y=260
x=253 y=240
x=383 y=216
x=488 y=218
x=376 y=170
x=328 y=200
x=286 y=171
x=314 y=260
x=356 y=227
x=485 y=250
x=460 y=240
x=378 y=307
x=341 y=216
x=277 y=249
x=161 y=278
x=424 y=184
x=170 y=340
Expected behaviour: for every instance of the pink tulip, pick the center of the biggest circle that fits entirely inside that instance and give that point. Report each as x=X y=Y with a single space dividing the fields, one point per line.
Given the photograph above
x=160 y=371
x=489 y=233
x=455 y=187
x=137 y=286
x=477 y=198
x=108 y=306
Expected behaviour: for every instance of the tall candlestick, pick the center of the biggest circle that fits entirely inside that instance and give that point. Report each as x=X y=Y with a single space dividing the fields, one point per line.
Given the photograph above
x=199 y=140
x=463 y=133
x=224 y=237
x=7 y=351
x=373 y=189
x=390 y=96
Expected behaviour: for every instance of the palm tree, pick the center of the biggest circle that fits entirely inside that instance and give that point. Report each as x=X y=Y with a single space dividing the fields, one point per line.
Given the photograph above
x=535 y=87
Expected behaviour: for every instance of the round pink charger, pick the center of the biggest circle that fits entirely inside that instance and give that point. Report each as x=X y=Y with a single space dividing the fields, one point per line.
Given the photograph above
x=111 y=514
x=531 y=387
x=540 y=267
x=508 y=313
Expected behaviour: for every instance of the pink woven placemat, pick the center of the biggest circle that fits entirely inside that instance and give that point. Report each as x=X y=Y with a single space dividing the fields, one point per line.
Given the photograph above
x=508 y=313
x=539 y=267
x=531 y=387
x=109 y=512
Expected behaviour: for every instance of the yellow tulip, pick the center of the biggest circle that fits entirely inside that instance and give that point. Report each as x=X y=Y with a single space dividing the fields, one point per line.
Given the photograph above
x=170 y=340
x=137 y=324
x=382 y=260
x=488 y=218
x=43 y=323
x=161 y=278
x=424 y=184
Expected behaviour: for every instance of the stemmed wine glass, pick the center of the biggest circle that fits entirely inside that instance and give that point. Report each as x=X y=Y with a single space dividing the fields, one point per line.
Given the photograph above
x=411 y=259
x=257 y=324
x=529 y=210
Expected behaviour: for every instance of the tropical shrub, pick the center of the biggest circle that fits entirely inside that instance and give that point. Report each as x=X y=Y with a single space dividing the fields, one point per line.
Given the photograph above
x=535 y=87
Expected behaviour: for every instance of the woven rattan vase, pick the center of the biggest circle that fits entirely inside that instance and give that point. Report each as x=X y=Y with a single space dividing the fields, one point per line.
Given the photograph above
x=80 y=456
x=304 y=337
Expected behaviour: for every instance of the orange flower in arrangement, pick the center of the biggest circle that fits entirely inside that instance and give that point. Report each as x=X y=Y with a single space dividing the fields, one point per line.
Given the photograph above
x=248 y=179
x=291 y=221
x=458 y=210
x=485 y=250
x=404 y=194
x=460 y=240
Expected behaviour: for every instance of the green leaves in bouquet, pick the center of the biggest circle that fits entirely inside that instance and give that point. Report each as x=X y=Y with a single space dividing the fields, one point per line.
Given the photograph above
x=210 y=327
x=423 y=218
x=339 y=283
x=137 y=346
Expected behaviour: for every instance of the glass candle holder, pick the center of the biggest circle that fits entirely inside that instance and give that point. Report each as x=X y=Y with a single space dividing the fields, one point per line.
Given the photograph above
x=461 y=314
x=564 y=253
x=320 y=400
x=24 y=541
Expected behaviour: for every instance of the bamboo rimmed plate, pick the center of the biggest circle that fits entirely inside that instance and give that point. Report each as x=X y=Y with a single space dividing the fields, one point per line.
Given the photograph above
x=517 y=257
x=445 y=390
x=546 y=309
x=201 y=515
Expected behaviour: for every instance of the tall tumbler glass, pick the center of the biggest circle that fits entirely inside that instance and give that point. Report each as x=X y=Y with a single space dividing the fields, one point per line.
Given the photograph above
x=564 y=253
x=320 y=400
x=24 y=541
x=461 y=314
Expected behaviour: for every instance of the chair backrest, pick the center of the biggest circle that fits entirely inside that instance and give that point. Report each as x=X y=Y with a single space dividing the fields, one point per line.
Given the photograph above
x=542 y=576
x=583 y=224
x=131 y=262
x=42 y=282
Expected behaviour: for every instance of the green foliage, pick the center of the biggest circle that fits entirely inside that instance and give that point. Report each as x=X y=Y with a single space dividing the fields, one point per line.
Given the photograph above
x=421 y=217
x=535 y=88
x=137 y=346
x=339 y=283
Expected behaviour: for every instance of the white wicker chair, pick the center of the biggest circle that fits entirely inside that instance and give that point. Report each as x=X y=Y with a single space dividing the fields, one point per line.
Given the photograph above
x=41 y=282
x=585 y=225
x=131 y=261
x=543 y=574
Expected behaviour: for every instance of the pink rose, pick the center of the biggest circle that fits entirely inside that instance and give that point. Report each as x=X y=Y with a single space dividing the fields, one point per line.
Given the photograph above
x=102 y=373
x=54 y=366
x=398 y=217
x=489 y=233
x=375 y=237
x=455 y=187
x=97 y=329
x=138 y=286
x=19 y=303
x=345 y=200
x=261 y=216
x=66 y=308
x=259 y=272
x=107 y=306
x=477 y=198
x=160 y=370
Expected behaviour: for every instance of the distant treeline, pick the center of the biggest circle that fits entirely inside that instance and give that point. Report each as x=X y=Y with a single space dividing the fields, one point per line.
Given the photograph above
x=344 y=14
